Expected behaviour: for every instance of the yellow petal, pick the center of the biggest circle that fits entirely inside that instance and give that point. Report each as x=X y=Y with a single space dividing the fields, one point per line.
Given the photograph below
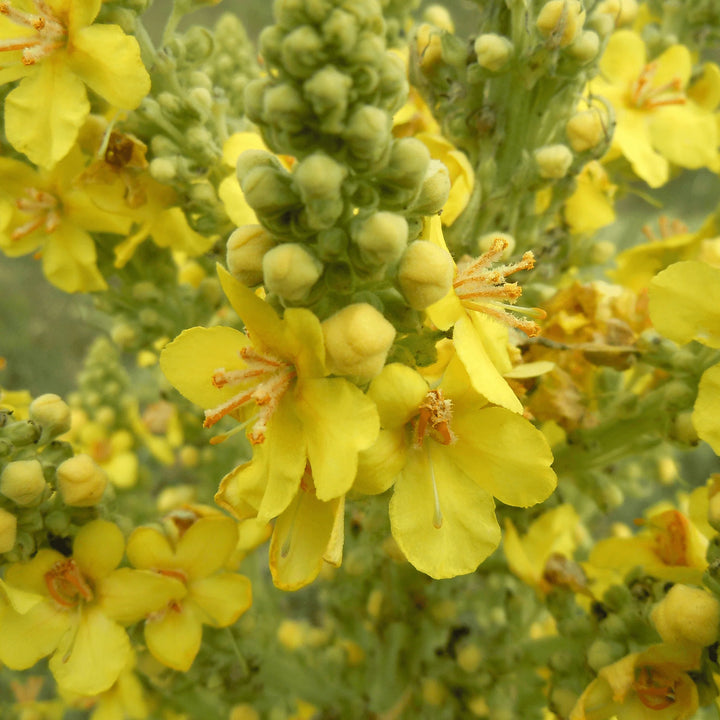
x=397 y=392
x=338 y=422
x=706 y=418
x=69 y=260
x=90 y=660
x=128 y=595
x=632 y=136
x=175 y=639
x=237 y=143
x=45 y=131
x=443 y=522
x=108 y=60
x=206 y=545
x=190 y=361
x=30 y=576
x=149 y=549
x=624 y=57
x=241 y=490
x=685 y=303
x=171 y=229
x=706 y=90
x=28 y=637
x=98 y=548
x=505 y=454
x=300 y=539
x=379 y=465
x=685 y=135
x=236 y=206
x=674 y=64
x=222 y=598
x=79 y=12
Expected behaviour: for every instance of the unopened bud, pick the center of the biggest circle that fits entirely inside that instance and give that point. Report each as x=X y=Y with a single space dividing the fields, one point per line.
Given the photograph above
x=585 y=47
x=22 y=433
x=163 y=169
x=319 y=177
x=553 y=161
x=328 y=93
x=560 y=21
x=382 y=237
x=80 y=481
x=22 y=481
x=435 y=190
x=290 y=271
x=8 y=531
x=368 y=133
x=52 y=413
x=623 y=12
x=425 y=274
x=246 y=248
x=357 y=341
x=687 y=615
x=428 y=46
x=585 y=129
x=493 y=51
x=440 y=17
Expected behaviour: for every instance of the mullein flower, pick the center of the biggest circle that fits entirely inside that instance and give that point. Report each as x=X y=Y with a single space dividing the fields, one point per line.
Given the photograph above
x=685 y=306
x=49 y=211
x=659 y=119
x=448 y=453
x=214 y=596
x=74 y=609
x=57 y=50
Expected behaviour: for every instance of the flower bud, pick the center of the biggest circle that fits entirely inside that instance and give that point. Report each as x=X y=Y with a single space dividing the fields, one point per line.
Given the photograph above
x=8 y=531
x=428 y=46
x=163 y=169
x=246 y=248
x=290 y=271
x=440 y=17
x=409 y=160
x=80 y=481
x=553 y=161
x=687 y=615
x=319 y=177
x=623 y=12
x=357 y=341
x=493 y=51
x=301 y=51
x=585 y=129
x=434 y=191
x=382 y=237
x=22 y=481
x=585 y=47
x=283 y=105
x=52 y=413
x=560 y=21
x=425 y=274
x=327 y=92
x=268 y=190
x=368 y=133
x=22 y=433
x=340 y=30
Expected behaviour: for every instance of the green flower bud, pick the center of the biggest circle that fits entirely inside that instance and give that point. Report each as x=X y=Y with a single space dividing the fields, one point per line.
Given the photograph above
x=425 y=274
x=493 y=51
x=246 y=248
x=434 y=191
x=284 y=106
x=331 y=243
x=52 y=413
x=585 y=47
x=560 y=21
x=357 y=341
x=340 y=30
x=8 y=531
x=327 y=91
x=23 y=481
x=290 y=271
x=319 y=177
x=268 y=190
x=687 y=615
x=553 y=161
x=80 y=481
x=290 y=13
x=382 y=237
x=254 y=98
x=368 y=133
x=302 y=51
x=603 y=653
x=392 y=84
x=586 y=129
x=409 y=160
x=368 y=48
x=270 y=44
x=163 y=169
x=22 y=433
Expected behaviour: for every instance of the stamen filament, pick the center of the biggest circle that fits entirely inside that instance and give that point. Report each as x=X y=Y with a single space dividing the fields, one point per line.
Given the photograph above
x=437 y=514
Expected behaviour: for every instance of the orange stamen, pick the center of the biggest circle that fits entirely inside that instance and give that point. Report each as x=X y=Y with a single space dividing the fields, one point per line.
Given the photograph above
x=50 y=32
x=66 y=584
x=435 y=413
x=652 y=689
x=644 y=95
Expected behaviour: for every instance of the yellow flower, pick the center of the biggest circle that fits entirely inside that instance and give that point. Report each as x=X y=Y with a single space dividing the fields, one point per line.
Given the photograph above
x=649 y=685
x=449 y=453
x=685 y=306
x=57 y=51
x=46 y=209
x=74 y=609
x=590 y=207
x=214 y=596
x=659 y=120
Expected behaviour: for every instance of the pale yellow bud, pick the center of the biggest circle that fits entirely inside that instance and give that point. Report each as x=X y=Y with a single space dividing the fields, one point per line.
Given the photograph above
x=687 y=615
x=244 y=712
x=80 y=481
x=52 y=413
x=493 y=51
x=8 y=531
x=357 y=341
x=623 y=12
x=290 y=271
x=425 y=274
x=429 y=46
x=553 y=161
x=246 y=248
x=434 y=191
x=469 y=658
x=439 y=16
x=560 y=21
x=382 y=237
x=23 y=481
x=585 y=129
x=585 y=47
